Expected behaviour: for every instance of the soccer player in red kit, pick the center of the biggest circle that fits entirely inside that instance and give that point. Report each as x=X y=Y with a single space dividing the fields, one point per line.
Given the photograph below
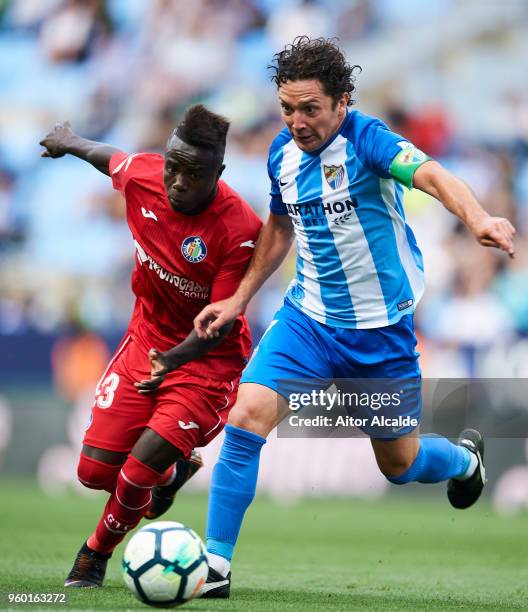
x=194 y=237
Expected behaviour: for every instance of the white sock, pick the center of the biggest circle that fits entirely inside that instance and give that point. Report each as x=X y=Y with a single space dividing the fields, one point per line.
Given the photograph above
x=473 y=464
x=218 y=563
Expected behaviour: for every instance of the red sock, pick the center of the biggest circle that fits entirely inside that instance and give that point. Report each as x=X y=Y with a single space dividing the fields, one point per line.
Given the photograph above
x=167 y=476
x=126 y=506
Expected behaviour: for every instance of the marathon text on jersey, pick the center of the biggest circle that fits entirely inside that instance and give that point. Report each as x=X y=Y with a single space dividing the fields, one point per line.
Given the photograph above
x=313 y=212
x=317 y=208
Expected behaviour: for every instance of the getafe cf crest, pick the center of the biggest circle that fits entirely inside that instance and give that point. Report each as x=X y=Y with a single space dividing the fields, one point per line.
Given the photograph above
x=334 y=175
x=193 y=249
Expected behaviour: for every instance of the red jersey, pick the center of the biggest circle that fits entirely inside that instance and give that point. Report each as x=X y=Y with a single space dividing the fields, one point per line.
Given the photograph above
x=184 y=262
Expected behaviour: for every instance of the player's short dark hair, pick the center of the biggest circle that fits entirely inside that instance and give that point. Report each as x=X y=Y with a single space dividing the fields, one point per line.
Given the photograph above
x=202 y=128
x=315 y=58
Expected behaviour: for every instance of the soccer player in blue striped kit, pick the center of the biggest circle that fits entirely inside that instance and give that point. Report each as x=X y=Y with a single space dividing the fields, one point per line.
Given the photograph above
x=336 y=186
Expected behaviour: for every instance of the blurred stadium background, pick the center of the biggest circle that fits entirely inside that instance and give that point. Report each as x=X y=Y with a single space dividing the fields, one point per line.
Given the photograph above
x=448 y=74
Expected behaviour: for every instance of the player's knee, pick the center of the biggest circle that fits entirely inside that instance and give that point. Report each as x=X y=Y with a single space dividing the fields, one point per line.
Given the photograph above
x=95 y=474
x=249 y=416
x=396 y=468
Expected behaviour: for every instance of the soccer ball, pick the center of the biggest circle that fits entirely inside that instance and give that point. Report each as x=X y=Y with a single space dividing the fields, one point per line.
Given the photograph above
x=165 y=564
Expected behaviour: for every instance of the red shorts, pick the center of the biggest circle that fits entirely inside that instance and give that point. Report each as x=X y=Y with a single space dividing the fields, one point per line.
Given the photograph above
x=186 y=410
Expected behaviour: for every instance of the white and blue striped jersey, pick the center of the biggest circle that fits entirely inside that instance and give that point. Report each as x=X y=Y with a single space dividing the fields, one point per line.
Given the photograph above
x=358 y=264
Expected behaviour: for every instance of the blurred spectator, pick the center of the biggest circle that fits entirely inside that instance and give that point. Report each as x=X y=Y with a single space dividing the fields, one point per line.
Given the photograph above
x=9 y=230
x=78 y=361
x=306 y=17
x=428 y=128
x=73 y=30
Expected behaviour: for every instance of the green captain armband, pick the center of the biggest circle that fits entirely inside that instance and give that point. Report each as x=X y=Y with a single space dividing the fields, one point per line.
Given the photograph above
x=406 y=162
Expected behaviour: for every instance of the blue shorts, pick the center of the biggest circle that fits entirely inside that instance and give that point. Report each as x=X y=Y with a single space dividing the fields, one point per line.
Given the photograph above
x=296 y=350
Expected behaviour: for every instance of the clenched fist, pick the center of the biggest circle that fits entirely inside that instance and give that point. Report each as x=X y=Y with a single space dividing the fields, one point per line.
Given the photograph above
x=58 y=140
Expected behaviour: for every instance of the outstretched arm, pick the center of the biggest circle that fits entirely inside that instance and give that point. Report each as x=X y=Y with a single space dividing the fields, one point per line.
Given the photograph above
x=456 y=196
x=62 y=139
x=188 y=350
x=272 y=247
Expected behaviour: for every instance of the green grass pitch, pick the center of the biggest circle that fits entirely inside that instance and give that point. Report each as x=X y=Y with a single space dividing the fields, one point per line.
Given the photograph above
x=400 y=553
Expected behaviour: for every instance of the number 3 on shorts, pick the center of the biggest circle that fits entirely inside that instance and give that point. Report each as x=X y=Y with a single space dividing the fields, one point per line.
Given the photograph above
x=106 y=389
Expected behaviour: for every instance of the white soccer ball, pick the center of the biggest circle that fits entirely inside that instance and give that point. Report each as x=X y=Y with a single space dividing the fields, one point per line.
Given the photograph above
x=165 y=564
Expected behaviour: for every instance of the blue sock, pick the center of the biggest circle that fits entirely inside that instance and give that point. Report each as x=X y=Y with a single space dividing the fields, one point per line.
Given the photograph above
x=232 y=488
x=437 y=460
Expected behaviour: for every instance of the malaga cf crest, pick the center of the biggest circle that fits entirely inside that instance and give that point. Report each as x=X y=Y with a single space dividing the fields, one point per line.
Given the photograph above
x=193 y=249
x=412 y=156
x=334 y=175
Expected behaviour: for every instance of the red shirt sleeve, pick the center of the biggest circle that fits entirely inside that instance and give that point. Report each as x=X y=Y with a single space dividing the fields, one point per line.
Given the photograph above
x=238 y=255
x=116 y=165
x=143 y=167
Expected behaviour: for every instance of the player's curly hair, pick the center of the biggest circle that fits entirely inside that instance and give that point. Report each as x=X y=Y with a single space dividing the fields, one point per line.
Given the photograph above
x=202 y=128
x=315 y=58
